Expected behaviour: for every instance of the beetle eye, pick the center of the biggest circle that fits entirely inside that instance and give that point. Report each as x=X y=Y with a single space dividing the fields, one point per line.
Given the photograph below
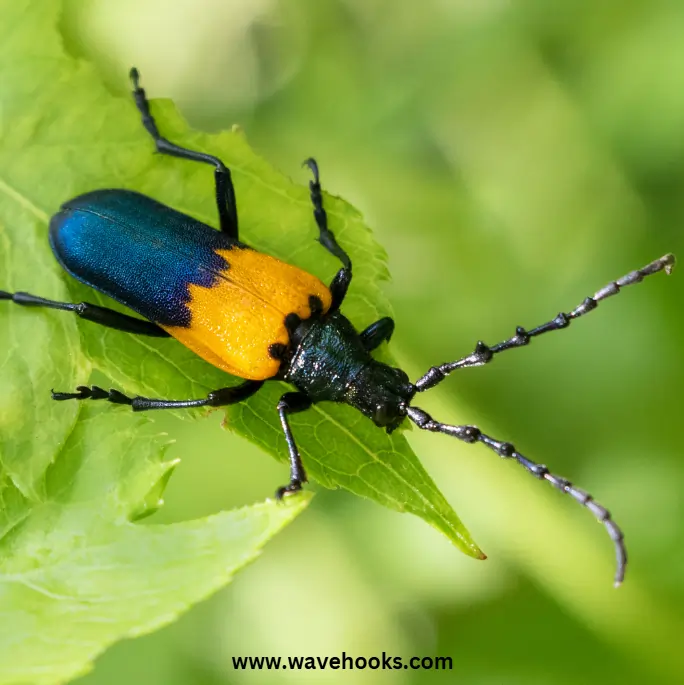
x=381 y=417
x=401 y=375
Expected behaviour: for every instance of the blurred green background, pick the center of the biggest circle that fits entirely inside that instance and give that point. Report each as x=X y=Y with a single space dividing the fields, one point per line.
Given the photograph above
x=512 y=157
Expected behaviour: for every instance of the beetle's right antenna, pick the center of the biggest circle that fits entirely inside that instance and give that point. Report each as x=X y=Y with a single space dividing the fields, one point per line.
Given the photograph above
x=484 y=354
x=472 y=434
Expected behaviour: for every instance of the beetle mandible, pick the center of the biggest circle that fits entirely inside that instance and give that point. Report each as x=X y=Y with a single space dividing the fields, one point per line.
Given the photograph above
x=258 y=318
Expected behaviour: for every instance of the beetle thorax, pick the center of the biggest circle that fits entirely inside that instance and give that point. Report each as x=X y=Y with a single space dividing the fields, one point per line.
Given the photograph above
x=327 y=355
x=330 y=363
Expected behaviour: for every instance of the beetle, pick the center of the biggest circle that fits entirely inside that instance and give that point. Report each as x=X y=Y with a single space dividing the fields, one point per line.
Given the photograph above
x=259 y=318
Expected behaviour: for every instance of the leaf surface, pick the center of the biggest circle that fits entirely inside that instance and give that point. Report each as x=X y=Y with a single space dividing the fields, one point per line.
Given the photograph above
x=70 y=482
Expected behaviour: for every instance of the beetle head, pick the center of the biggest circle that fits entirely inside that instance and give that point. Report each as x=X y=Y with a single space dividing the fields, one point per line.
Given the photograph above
x=382 y=393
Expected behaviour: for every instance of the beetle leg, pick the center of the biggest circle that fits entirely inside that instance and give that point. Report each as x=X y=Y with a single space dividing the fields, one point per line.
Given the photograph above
x=472 y=434
x=291 y=403
x=484 y=354
x=326 y=236
x=216 y=398
x=338 y=288
x=377 y=333
x=225 y=193
x=91 y=312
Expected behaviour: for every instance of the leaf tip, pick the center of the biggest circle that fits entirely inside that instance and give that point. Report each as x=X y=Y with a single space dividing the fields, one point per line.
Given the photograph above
x=470 y=547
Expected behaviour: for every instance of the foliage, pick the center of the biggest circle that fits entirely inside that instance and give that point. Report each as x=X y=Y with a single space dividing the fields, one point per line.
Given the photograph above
x=77 y=574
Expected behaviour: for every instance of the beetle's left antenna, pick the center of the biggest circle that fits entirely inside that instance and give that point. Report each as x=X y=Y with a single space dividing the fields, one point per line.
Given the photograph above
x=472 y=434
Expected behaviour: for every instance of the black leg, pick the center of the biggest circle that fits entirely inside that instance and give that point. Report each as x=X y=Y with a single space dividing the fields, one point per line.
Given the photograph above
x=91 y=312
x=484 y=354
x=225 y=193
x=472 y=434
x=217 y=398
x=326 y=238
x=291 y=403
x=339 y=287
x=377 y=333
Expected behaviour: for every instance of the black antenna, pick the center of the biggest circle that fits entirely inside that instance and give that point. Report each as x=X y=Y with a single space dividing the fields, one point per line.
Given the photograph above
x=484 y=354
x=472 y=434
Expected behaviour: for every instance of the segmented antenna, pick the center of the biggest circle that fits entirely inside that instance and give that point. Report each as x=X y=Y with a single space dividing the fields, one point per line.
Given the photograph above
x=484 y=354
x=472 y=434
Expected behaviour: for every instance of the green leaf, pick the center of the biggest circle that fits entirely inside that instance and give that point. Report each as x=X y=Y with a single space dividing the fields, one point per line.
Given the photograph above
x=70 y=486
x=76 y=575
x=64 y=134
x=73 y=477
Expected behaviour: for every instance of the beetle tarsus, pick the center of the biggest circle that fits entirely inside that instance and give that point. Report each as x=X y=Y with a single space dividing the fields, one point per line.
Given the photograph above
x=325 y=235
x=225 y=193
x=94 y=392
x=312 y=164
x=216 y=398
x=289 y=489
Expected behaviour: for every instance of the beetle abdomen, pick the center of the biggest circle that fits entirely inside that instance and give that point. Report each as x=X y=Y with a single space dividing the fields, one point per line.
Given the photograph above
x=217 y=296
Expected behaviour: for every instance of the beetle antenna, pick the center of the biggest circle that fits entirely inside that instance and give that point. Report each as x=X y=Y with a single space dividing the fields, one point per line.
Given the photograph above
x=472 y=434
x=484 y=354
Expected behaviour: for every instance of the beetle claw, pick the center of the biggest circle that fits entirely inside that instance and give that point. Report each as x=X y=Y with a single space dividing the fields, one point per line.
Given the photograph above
x=313 y=165
x=289 y=489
